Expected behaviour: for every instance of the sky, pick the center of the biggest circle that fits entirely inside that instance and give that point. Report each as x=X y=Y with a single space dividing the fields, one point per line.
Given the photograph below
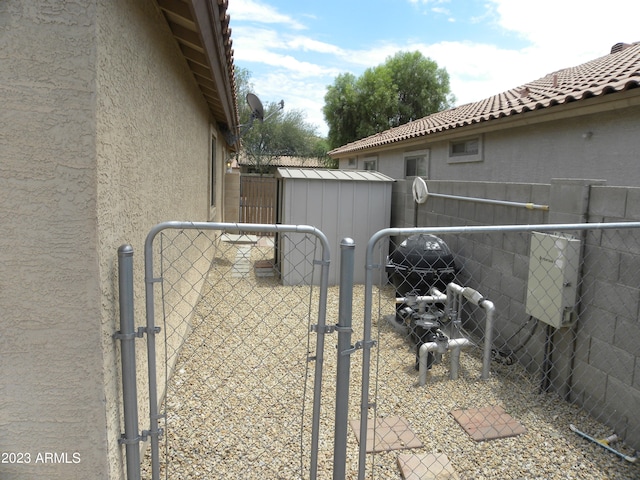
x=294 y=49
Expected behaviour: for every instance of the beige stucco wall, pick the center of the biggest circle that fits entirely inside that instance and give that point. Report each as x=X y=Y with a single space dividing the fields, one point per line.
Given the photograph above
x=52 y=398
x=104 y=134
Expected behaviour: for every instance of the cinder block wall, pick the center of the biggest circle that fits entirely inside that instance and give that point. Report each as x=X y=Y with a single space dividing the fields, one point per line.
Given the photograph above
x=596 y=363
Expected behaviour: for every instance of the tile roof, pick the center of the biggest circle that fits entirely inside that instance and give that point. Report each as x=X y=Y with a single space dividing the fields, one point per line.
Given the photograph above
x=285 y=161
x=618 y=71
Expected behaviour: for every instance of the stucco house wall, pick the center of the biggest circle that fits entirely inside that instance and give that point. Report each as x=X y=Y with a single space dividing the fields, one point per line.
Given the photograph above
x=104 y=134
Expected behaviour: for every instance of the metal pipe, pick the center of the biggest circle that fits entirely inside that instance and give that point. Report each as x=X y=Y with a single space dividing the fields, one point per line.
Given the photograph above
x=529 y=206
x=451 y=308
x=345 y=311
x=488 y=337
x=437 y=298
x=127 y=336
x=544 y=227
x=476 y=298
x=452 y=344
x=317 y=383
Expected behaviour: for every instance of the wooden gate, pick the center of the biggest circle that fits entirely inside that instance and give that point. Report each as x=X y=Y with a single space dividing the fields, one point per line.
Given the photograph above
x=258 y=199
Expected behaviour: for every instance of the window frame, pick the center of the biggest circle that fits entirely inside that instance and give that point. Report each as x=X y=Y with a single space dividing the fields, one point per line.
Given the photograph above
x=468 y=154
x=414 y=155
x=367 y=162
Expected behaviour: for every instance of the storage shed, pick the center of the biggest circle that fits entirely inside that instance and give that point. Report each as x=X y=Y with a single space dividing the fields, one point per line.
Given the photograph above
x=340 y=203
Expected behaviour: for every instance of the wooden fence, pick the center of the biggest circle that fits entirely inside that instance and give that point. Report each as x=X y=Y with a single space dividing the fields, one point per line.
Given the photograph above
x=258 y=199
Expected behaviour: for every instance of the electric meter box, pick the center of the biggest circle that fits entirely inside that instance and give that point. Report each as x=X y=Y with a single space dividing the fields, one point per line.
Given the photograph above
x=552 y=286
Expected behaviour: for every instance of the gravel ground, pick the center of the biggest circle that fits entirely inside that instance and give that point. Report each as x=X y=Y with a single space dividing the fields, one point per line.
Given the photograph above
x=240 y=402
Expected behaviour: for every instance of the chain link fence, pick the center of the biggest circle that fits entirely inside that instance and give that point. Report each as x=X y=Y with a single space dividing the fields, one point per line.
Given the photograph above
x=246 y=389
x=562 y=309
x=236 y=353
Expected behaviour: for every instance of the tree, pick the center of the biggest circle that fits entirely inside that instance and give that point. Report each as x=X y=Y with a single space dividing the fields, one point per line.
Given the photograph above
x=285 y=132
x=341 y=103
x=408 y=86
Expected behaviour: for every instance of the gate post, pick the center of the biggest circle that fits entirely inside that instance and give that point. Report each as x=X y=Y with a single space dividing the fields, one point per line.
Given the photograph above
x=345 y=309
x=127 y=336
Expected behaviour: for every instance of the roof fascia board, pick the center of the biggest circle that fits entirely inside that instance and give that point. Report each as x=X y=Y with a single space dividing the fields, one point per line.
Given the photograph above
x=207 y=18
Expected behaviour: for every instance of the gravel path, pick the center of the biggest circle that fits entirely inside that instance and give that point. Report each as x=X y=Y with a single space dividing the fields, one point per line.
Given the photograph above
x=240 y=403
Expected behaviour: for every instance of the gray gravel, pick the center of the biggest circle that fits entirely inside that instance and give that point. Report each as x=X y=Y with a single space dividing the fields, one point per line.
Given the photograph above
x=240 y=402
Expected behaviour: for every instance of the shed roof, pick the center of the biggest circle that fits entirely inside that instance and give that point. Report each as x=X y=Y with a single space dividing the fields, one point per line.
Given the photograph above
x=332 y=174
x=616 y=72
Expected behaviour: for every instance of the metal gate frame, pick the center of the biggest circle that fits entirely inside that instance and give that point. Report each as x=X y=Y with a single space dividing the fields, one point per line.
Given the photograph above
x=150 y=280
x=131 y=438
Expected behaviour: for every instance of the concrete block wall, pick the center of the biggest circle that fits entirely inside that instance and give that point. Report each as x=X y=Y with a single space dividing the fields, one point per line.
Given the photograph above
x=606 y=372
x=596 y=363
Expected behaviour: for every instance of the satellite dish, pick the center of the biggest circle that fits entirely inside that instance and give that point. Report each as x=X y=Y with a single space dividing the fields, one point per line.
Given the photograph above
x=420 y=191
x=257 y=110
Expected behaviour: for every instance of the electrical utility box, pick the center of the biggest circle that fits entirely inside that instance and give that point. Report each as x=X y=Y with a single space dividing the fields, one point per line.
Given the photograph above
x=552 y=287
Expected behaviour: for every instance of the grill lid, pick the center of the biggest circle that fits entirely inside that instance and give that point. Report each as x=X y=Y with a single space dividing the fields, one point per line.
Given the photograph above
x=423 y=251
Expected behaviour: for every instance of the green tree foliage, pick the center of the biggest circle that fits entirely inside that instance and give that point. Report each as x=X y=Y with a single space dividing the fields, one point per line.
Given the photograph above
x=284 y=132
x=408 y=86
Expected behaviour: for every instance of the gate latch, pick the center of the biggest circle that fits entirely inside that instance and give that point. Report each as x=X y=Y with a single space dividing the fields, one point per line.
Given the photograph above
x=325 y=329
x=359 y=346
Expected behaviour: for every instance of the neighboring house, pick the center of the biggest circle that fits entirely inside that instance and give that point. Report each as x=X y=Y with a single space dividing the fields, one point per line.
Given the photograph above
x=579 y=122
x=249 y=165
x=114 y=118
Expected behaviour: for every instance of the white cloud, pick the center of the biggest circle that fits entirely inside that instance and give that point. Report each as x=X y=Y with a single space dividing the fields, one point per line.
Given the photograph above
x=310 y=45
x=570 y=28
x=254 y=11
x=301 y=66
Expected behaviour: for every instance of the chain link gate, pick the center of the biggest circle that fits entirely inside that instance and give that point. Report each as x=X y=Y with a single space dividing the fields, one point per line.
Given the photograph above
x=235 y=386
x=232 y=365
x=501 y=352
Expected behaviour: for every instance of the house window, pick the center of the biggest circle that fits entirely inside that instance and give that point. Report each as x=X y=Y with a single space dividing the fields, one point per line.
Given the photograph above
x=466 y=150
x=213 y=167
x=416 y=163
x=370 y=163
x=351 y=163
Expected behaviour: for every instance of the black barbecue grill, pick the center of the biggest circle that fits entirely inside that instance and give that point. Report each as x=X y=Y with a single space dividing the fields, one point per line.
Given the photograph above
x=421 y=262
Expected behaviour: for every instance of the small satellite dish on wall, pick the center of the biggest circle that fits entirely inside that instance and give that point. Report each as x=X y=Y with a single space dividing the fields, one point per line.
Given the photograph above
x=257 y=110
x=420 y=191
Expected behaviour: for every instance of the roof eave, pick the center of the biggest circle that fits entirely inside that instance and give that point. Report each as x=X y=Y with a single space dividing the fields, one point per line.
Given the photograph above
x=585 y=106
x=201 y=30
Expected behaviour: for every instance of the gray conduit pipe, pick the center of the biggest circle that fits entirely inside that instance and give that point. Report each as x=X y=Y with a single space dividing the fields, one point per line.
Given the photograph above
x=421 y=194
x=476 y=298
x=436 y=297
x=454 y=303
x=454 y=344
x=527 y=205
